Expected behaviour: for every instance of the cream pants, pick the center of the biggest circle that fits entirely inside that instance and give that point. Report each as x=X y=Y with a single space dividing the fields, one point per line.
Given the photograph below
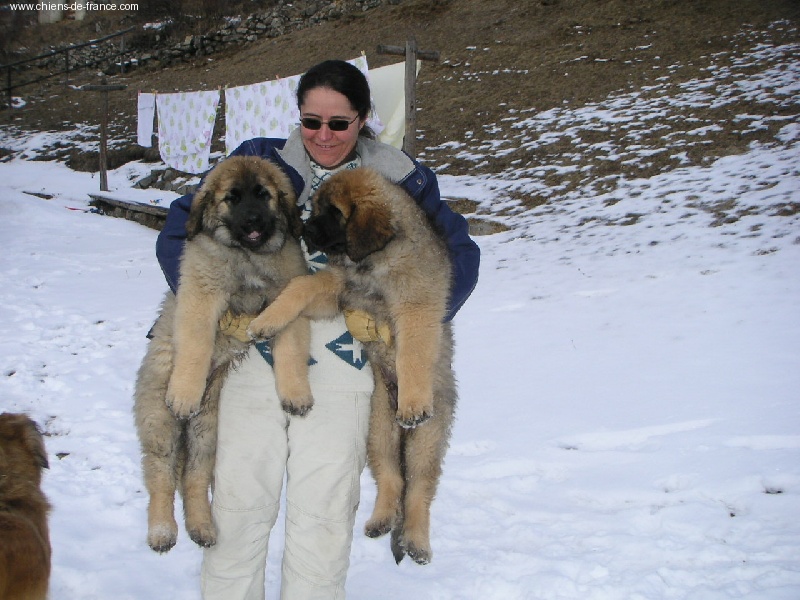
x=322 y=456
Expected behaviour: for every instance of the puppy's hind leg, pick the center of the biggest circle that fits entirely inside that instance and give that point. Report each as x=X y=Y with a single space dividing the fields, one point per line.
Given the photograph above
x=198 y=472
x=383 y=455
x=160 y=436
x=161 y=477
x=424 y=451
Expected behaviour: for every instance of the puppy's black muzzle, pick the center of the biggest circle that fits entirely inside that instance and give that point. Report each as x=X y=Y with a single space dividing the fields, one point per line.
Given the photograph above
x=325 y=233
x=252 y=222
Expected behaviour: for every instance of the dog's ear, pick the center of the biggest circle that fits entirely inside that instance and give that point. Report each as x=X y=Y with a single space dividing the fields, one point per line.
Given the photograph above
x=35 y=444
x=200 y=202
x=368 y=230
x=274 y=177
x=25 y=434
x=288 y=203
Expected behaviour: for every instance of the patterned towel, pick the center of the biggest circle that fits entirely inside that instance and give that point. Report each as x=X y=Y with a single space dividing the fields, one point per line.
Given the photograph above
x=185 y=126
x=267 y=109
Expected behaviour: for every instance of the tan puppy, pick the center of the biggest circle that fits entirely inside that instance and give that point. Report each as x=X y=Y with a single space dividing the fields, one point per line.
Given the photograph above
x=24 y=534
x=242 y=249
x=385 y=259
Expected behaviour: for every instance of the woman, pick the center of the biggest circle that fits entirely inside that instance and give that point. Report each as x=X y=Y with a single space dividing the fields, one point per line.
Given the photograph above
x=323 y=453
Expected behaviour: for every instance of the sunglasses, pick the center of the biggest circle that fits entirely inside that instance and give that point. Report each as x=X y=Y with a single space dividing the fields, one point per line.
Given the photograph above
x=315 y=124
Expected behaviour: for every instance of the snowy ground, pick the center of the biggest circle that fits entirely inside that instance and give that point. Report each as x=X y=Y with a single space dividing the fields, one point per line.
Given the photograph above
x=629 y=370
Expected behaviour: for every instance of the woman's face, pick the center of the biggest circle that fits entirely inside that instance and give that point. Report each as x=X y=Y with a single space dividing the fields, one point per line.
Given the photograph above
x=326 y=147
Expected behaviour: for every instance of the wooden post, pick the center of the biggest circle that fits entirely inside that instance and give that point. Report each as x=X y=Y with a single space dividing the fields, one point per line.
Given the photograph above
x=122 y=55
x=412 y=54
x=105 y=89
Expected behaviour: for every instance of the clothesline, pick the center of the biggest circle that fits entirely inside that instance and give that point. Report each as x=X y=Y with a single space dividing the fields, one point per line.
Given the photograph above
x=268 y=109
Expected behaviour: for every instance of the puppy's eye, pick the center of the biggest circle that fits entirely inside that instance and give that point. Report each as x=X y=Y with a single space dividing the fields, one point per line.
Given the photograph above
x=336 y=214
x=261 y=192
x=233 y=196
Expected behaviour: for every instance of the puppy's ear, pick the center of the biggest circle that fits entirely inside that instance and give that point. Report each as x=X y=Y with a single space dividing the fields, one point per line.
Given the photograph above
x=368 y=230
x=200 y=202
x=287 y=201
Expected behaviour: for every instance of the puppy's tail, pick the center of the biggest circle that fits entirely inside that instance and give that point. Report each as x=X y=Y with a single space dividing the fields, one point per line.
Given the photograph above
x=398 y=551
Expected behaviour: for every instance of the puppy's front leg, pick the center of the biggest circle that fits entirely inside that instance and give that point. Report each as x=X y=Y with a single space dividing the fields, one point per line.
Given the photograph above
x=418 y=334
x=290 y=353
x=315 y=296
x=196 y=320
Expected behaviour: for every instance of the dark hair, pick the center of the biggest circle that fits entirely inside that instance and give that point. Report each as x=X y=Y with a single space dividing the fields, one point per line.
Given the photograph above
x=342 y=77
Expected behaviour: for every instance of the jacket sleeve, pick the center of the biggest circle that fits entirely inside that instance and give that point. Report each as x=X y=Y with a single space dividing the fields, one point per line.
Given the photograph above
x=170 y=241
x=465 y=254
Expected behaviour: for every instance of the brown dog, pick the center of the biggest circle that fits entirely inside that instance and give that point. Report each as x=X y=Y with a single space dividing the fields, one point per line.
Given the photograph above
x=242 y=248
x=24 y=535
x=385 y=259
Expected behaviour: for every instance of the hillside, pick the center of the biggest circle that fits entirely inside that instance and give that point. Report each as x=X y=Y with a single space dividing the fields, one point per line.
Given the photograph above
x=502 y=62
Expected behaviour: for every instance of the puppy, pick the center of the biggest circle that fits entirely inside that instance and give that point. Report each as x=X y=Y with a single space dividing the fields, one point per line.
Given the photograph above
x=242 y=249
x=384 y=258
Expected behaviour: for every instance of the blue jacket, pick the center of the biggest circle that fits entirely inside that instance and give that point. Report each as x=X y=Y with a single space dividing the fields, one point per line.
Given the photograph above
x=419 y=181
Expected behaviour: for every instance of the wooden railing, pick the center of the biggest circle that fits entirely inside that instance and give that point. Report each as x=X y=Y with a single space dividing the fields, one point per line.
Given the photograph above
x=14 y=68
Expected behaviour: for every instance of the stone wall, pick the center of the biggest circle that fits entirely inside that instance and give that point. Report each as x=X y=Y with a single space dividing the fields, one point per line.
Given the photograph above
x=148 y=48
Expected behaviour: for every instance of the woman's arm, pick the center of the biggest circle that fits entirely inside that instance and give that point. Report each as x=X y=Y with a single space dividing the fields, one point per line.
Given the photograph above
x=464 y=252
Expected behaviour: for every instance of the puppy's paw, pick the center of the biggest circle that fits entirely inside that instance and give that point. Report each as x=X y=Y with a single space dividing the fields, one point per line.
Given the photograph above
x=298 y=408
x=409 y=419
x=413 y=408
x=264 y=328
x=418 y=550
x=162 y=537
x=421 y=555
x=203 y=534
x=295 y=395
x=183 y=399
x=376 y=528
x=183 y=408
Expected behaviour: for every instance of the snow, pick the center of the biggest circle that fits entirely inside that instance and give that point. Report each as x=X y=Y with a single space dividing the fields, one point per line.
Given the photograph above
x=629 y=376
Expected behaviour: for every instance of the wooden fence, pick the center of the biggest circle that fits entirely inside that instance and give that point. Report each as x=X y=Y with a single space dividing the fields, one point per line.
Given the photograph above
x=15 y=68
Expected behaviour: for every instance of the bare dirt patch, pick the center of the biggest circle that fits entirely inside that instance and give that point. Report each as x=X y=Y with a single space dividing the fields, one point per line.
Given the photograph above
x=501 y=61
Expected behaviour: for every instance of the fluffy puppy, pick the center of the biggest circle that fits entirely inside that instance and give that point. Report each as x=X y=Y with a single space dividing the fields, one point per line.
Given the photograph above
x=242 y=249
x=385 y=258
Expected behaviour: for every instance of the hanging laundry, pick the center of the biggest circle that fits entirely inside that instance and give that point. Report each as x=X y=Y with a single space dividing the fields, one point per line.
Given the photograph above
x=267 y=109
x=388 y=86
x=185 y=126
x=146 y=113
x=373 y=120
